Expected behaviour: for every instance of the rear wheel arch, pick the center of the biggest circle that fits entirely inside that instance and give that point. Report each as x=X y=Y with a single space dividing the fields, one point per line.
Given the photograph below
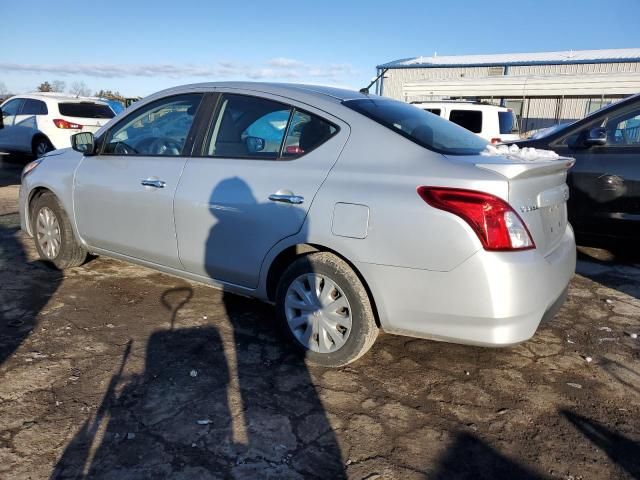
x=287 y=256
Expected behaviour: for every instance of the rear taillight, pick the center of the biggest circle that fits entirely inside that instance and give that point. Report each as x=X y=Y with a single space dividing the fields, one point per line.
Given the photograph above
x=60 y=123
x=497 y=225
x=495 y=140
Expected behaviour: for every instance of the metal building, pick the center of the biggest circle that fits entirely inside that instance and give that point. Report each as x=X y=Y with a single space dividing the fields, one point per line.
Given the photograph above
x=543 y=88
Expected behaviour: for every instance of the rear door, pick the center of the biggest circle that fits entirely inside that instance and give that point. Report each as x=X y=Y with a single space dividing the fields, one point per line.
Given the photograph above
x=123 y=197
x=26 y=122
x=10 y=110
x=261 y=165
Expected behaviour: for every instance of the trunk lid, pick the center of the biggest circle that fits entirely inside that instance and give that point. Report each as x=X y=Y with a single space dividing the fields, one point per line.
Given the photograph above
x=538 y=191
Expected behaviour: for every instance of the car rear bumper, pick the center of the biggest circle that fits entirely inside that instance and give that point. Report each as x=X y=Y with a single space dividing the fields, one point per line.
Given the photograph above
x=492 y=299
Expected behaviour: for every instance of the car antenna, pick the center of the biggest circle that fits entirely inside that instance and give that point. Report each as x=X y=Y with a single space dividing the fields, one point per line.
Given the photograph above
x=365 y=90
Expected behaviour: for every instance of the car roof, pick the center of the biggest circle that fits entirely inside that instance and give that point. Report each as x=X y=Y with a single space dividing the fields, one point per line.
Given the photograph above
x=285 y=89
x=467 y=105
x=57 y=97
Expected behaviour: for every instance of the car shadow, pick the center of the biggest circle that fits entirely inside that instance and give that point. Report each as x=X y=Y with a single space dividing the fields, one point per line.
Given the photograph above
x=26 y=289
x=621 y=450
x=469 y=457
x=616 y=271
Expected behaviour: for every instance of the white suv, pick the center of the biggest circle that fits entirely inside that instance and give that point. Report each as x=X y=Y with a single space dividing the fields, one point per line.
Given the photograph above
x=36 y=123
x=491 y=122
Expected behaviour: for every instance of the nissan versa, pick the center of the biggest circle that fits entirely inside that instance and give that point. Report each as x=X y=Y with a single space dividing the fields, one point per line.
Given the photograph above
x=351 y=212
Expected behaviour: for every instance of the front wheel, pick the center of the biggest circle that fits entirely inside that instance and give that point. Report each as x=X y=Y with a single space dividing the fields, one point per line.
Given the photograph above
x=325 y=310
x=41 y=146
x=53 y=234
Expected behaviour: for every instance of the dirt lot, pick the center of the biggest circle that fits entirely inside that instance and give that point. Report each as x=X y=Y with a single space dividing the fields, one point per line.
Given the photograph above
x=115 y=371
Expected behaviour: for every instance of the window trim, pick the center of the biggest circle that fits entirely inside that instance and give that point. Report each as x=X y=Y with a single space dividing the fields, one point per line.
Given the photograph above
x=206 y=138
x=187 y=148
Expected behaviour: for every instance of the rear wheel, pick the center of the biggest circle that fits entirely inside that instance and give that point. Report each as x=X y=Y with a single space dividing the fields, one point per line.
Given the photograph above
x=325 y=310
x=41 y=145
x=54 y=238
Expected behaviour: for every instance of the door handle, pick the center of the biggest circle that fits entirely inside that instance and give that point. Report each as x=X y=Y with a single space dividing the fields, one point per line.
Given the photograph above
x=153 y=183
x=286 y=198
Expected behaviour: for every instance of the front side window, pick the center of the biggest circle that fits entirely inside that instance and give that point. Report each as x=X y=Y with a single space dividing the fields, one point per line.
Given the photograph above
x=159 y=128
x=469 y=119
x=34 y=107
x=248 y=127
x=624 y=130
x=423 y=128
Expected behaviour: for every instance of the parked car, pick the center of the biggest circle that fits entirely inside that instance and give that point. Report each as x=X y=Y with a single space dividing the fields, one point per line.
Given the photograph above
x=40 y=122
x=605 y=181
x=355 y=213
x=491 y=122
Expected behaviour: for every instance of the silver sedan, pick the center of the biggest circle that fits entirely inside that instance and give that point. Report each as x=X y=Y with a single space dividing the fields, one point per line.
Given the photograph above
x=351 y=213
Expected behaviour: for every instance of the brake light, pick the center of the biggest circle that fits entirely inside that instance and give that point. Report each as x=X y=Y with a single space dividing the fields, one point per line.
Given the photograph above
x=60 y=123
x=497 y=225
x=495 y=140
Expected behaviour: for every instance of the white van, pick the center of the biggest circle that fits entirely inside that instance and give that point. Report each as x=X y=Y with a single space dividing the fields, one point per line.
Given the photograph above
x=491 y=122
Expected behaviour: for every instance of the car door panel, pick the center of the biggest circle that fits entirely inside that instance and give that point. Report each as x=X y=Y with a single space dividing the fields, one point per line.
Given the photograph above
x=123 y=197
x=225 y=220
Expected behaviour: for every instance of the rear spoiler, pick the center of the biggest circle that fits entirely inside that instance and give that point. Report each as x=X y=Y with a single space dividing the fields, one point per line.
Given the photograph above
x=524 y=169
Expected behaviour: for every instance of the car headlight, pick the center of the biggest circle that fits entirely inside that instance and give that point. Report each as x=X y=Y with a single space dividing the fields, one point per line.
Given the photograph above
x=29 y=167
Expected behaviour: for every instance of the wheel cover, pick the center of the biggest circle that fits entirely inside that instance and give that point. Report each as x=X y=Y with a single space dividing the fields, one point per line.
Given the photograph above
x=48 y=233
x=41 y=149
x=318 y=313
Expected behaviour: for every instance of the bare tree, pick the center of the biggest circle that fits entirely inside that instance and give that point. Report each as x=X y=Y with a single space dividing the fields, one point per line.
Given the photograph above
x=79 y=89
x=3 y=89
x=44 y=87
x=58 y=86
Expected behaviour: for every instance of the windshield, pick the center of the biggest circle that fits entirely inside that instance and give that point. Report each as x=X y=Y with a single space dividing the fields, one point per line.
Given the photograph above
x=419 y=126
x=85 y=110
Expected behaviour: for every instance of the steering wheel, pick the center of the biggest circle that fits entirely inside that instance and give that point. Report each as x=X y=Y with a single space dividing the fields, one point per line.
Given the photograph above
x=122 y=148
x=165 y=146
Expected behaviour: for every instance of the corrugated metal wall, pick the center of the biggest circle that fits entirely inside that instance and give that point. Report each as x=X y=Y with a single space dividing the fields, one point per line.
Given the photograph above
x=536 y=112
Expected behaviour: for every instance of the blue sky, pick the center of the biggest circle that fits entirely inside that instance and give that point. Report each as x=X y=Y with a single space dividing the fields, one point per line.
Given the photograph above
x=140 y=47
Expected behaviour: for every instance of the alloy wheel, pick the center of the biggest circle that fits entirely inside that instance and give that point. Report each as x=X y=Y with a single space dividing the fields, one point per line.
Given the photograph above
x=48 y=233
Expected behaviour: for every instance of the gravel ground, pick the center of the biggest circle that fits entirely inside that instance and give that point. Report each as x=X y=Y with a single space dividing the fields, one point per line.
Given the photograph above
x=115 y=371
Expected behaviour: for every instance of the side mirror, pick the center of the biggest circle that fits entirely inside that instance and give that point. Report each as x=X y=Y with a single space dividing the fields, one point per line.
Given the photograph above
x=1 y=119
x=254 y=144
x=83 y=142
x=596 y=136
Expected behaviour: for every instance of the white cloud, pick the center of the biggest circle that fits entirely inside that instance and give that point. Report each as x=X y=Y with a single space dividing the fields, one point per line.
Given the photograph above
x=274 y=69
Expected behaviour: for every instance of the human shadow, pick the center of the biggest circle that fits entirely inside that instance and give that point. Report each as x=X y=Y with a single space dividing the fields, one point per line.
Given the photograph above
x=286 y=424
x=623 y=451
x=212 y=401
x=26 y=287
x=470 y=457
x=172 y=420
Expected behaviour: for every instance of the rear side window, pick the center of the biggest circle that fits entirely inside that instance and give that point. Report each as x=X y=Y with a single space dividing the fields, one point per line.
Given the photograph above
x=435 y=111
x=508 y=123
x=85 y=110
x=259 y=128
x=305 y=133
x=469 y=119
x=421 y=127
x=34 y=107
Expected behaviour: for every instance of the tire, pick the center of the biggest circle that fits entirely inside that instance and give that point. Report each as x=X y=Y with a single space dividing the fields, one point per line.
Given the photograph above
x=40 y=146
x=49 y=219
x=325 y=317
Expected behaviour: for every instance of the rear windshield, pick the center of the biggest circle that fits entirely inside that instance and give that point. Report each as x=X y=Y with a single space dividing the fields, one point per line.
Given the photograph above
x=419 y=126
x=85 y=110
x=508 y=122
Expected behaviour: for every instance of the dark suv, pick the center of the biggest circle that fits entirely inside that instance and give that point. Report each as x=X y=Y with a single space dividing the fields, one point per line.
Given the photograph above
x=605 y=181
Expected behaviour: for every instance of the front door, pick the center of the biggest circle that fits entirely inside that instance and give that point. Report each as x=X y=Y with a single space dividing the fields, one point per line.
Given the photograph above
x=261 y=165
x=605 y=180
x=123 y=197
